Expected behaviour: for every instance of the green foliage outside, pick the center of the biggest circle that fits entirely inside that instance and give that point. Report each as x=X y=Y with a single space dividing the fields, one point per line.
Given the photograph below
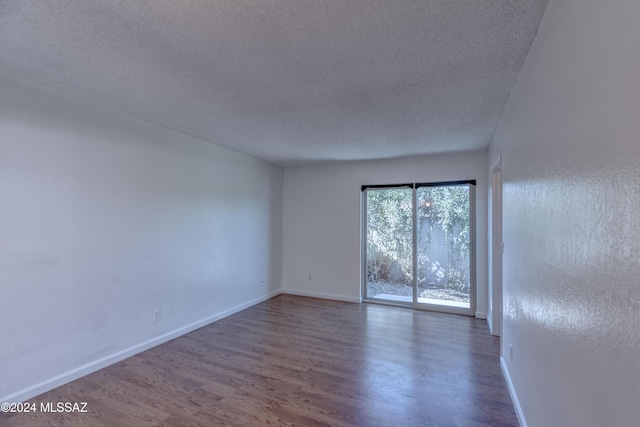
x=389 y=234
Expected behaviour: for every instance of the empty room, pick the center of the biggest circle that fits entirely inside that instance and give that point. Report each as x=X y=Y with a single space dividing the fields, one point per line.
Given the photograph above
x=320 y=213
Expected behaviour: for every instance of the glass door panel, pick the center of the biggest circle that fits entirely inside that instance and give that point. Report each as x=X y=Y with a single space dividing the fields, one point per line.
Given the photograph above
x=389 y=234
x=443 y=245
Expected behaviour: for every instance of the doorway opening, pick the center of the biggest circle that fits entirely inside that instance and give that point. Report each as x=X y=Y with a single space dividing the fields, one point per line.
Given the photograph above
x=496 y=248
x=418 y=245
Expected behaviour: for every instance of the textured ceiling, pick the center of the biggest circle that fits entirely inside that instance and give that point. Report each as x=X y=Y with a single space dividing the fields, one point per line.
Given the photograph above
x=291 y=81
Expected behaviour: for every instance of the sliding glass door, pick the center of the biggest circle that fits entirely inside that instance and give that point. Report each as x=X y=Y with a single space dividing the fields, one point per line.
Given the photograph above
x=418 y=245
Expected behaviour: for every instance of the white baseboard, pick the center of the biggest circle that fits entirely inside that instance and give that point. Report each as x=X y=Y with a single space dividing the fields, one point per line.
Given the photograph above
x=512 y=392
x=51 y=383
x=481 y=314
x=321 y=295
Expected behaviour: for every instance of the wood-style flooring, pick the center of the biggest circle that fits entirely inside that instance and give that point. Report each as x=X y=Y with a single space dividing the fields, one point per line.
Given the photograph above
x=296 y=361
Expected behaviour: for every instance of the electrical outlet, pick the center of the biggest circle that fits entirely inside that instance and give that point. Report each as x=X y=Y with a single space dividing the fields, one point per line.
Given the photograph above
x=511 y=352
x=156 y=314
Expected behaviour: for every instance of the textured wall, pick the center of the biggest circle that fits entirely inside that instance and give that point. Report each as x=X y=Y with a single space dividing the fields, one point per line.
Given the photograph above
x=570 y=144
x=104 y=218
x=322 y=219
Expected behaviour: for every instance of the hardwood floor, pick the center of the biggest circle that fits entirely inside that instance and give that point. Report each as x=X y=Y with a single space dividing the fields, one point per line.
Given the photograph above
x=296 y=361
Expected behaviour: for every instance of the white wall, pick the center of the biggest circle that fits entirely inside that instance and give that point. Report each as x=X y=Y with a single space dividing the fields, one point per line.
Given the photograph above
x=104 y=218
x=322 y=219
x=570 y=146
